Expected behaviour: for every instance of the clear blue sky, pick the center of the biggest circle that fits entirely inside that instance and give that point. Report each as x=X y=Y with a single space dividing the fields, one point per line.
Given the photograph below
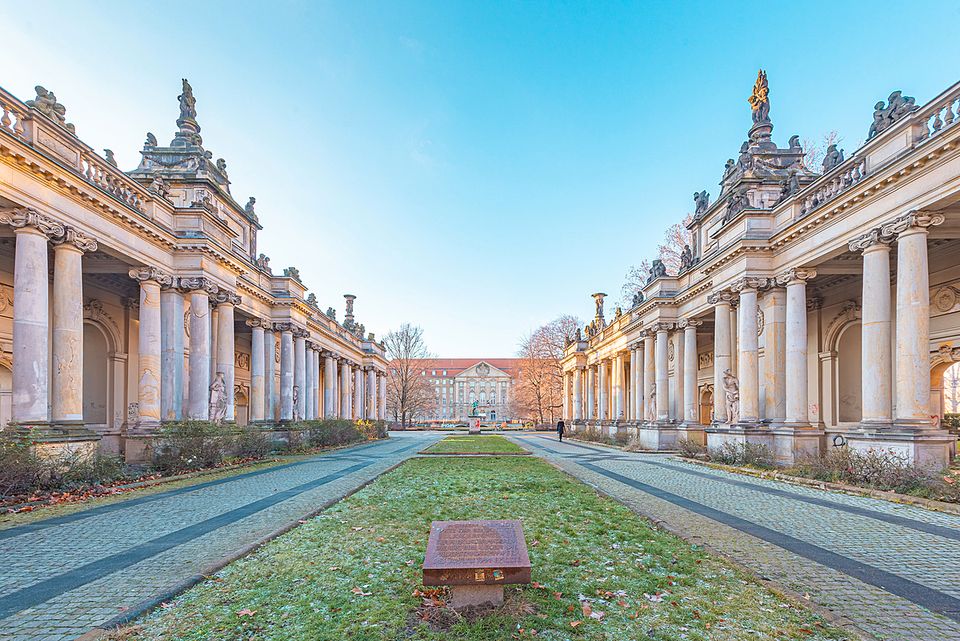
x=477 y=168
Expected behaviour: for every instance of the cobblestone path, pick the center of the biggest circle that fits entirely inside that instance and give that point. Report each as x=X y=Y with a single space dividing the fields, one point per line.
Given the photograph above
x=890 y=570
x=63 y=576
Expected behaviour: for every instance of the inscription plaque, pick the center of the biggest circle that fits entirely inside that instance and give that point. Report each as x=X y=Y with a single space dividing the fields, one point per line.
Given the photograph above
x=476 y=553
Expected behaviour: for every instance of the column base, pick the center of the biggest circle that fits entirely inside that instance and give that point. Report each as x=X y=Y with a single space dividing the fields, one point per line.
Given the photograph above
x=920 y=445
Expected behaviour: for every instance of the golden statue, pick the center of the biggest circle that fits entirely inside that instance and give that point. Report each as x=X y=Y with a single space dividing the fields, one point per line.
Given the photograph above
x=759 y=100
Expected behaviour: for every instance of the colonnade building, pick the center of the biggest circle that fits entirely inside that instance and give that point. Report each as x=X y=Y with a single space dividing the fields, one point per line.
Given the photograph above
x=128 y=299
x=812 y=309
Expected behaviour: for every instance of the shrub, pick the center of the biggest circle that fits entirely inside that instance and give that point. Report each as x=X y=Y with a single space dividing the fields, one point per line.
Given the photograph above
x=191 y=445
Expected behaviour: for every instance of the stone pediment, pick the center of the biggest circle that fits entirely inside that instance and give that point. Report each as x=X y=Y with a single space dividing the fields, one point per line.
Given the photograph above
x=482 y=370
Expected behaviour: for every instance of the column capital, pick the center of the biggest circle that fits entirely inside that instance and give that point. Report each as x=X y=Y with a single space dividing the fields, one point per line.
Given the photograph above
x=723 y=296
x=795 y=275
x=197 y=284
x=685 y=323
x=143 y=274
x=74 y=238
x=29 y=218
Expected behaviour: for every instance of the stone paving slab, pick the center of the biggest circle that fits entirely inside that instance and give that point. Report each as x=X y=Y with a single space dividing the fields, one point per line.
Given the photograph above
x=65 y=576
x=888 y=569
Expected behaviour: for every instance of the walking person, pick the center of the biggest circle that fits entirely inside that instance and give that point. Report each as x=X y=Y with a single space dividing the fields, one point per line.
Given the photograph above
x=560 y=429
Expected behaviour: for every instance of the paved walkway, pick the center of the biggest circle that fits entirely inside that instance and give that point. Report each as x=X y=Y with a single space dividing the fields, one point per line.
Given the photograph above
x=891 y=570
x=63 y=576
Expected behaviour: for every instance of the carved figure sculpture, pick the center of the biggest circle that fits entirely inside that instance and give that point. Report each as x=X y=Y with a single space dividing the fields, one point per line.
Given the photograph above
x=188 y=104
x=701 y=201
x=832 y=158
x=760 y=98
x=218 y=399
x=731 y=396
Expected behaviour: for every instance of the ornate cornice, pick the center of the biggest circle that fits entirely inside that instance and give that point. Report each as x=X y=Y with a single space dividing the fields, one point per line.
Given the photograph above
x=795 y=275
x=143 y=274
x=27 y=217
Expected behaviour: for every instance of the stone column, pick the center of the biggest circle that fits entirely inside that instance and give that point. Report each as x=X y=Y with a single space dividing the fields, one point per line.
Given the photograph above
x=346 y=407
x=578 y=394
x=300 y=372
x=877 y=401
x=721 y=351
x=795 y=367
x=691 y=363
x=269 y=372
x=358 y=393
x=308 y=382
x=383 y=396
x=649 y=377
x=67 y=397
x=662 y=372
x=257 y=353
x=226 y=347
x=329 y=381
x=913 y=317
x=286 y=371
x=371 y=394
x=775 y=356
x=199 y=289
x=148 y=346
x=171 y=352
x=748 y=374
x=603 y=407
x=31 y=313
x=591 y=393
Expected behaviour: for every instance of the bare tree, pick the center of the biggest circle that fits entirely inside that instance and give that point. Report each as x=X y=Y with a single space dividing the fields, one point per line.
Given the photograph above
x=814 y=152
x=538 y=391
x=409 y=393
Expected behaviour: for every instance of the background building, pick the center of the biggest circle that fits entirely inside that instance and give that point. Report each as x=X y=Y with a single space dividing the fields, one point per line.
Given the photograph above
x=459 y=382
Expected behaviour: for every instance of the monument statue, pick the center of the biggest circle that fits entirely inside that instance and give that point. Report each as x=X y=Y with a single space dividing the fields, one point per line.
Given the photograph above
x=218 y=399
x=731 y=395
x=188 y=104
x=760 y=99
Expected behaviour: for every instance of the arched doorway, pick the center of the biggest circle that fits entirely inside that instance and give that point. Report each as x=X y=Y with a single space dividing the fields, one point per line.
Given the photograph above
x=95 y=377
x=849 y=392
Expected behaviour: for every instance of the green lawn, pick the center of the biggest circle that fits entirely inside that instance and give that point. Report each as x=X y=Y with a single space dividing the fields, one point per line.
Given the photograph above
x=353 y=571
x=475 y=444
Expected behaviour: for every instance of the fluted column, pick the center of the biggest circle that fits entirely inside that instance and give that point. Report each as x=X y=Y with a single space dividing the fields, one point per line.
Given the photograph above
x=346 y=407
x=748 y=373
x=876 y=363
x=269 y=372
x=171 y=352
x=662 y=372
x=300 y=372
x=795 y=368
x=591 y=393
x=371 y=394
x=67 y=397
x=257 y=354
x=690 y=365
x=383 y=396
x=199 y=291
x=286 y=370
x=775 y=355
x=649 y=377
x=578 y=394
x=148 y=355
x=358 y=393
x=308 y=398
x=329 y=381
x=913 y=317
x=226 y=347
x=603 y=407
x=721 y=351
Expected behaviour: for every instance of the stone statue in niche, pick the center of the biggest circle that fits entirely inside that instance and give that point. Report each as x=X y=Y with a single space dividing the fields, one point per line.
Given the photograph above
x=731 y=396
x=832 y=158
x=218 y=400
x=296 y=404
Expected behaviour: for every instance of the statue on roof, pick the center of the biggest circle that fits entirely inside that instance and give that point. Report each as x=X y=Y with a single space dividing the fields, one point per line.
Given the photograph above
x=760 y=98
x=188 y=104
